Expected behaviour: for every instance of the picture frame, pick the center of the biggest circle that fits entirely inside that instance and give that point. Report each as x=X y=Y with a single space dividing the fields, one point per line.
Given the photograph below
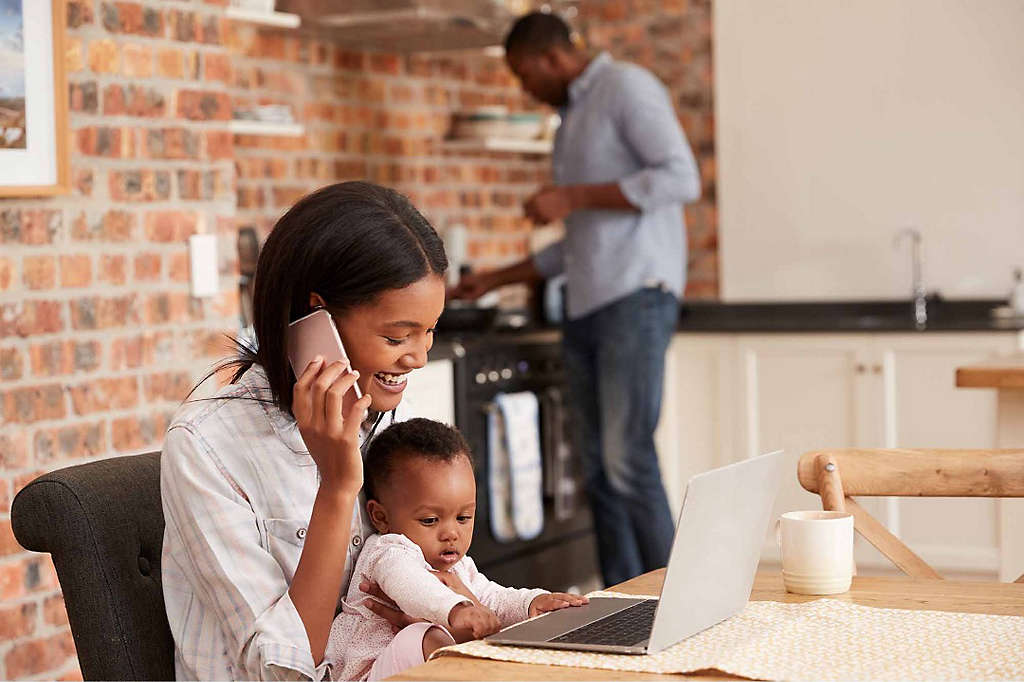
x=33 y=99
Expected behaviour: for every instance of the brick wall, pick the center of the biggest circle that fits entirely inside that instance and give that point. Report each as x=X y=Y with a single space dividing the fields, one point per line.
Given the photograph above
x=383 y=118
x=99 y=338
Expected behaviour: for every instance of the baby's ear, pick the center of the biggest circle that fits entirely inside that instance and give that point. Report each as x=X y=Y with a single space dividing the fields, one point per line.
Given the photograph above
x=378 y=516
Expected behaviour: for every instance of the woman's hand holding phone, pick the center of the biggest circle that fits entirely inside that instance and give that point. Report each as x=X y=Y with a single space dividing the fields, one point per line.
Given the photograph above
x=330 y=432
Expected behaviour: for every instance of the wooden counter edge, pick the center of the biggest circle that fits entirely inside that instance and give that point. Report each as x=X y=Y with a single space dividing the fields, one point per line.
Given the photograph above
x=1004 y=375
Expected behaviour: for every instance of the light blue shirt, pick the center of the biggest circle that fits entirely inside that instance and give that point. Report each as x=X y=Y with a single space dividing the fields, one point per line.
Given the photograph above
x=620 y=126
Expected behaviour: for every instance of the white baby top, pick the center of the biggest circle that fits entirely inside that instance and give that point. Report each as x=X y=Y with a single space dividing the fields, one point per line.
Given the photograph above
x=397 y=564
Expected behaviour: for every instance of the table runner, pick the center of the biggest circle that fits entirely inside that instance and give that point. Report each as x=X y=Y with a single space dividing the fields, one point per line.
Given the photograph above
x=824 y=639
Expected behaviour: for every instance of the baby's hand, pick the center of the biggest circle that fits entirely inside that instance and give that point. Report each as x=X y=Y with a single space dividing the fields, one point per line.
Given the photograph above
x=475 y=619
x=554 y=601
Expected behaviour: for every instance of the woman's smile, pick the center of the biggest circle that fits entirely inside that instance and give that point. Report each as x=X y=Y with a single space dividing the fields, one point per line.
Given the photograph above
x=393 y=383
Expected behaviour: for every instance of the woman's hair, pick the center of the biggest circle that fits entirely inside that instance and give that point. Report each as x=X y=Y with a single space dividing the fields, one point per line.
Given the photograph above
x=348 y=243
x=413 y=439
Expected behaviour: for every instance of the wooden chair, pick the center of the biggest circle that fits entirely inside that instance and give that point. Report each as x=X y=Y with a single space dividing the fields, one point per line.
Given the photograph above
x=836 y=475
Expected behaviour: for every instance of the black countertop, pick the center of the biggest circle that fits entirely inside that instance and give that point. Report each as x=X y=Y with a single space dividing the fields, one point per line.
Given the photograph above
x=844 y=316
x=785 y=318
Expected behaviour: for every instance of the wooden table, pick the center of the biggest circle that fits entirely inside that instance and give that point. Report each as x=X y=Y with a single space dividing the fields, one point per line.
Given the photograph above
x=1006 y=375
x=900 y=593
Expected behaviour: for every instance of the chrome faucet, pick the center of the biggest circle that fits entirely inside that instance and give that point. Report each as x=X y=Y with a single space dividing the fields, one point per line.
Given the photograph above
x=917 y=291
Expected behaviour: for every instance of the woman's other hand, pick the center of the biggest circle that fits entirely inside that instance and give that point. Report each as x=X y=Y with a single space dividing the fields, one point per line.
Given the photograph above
x=329 y=430
x=554 y=601
x=391 y=614
x=473 y=620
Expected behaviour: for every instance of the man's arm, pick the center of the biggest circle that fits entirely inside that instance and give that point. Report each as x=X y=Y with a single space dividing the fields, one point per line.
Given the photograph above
x=475 y=285
x=651 y=129
x=607 y=196
x=555 y=202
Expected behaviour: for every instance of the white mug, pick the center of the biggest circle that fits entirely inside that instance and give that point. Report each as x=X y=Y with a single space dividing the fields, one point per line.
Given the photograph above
x=817 y=551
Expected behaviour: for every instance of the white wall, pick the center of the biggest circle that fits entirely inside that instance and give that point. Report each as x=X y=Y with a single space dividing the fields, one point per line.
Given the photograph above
x=841 y=121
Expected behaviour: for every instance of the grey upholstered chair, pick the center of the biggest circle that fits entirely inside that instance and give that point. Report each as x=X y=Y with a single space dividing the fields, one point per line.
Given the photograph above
x=104 y=526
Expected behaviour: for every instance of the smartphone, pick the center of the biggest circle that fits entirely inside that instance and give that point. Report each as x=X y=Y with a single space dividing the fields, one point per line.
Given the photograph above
x=312 y=335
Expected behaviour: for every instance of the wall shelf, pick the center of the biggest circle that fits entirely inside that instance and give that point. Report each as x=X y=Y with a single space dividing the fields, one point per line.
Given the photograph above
x=281 y=19
x=246 y=127
x=500 y=144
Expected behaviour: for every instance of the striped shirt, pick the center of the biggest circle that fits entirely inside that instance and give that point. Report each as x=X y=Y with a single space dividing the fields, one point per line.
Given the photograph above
x=237 y=485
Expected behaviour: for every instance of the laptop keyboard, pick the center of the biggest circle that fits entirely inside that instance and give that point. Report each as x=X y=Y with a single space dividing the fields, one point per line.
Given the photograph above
x=623 y=628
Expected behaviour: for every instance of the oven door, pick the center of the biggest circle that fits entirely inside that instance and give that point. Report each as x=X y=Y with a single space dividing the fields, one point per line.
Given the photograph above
x=564 y=555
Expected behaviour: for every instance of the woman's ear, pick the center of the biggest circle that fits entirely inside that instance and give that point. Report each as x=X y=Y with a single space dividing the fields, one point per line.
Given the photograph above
x=315 y=301
x=378 y=516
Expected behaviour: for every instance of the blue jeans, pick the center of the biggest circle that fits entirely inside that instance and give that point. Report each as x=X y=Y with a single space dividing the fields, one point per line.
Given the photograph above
x=615 y=360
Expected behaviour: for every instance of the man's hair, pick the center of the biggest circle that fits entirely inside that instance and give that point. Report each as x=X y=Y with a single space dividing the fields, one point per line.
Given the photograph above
x=413 y=439
x=537 y=32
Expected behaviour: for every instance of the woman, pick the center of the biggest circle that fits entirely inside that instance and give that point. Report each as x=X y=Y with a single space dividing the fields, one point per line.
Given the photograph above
x=261 y=505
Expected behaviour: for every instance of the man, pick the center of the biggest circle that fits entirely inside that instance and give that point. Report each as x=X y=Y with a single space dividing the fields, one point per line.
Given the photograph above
x=622 y=171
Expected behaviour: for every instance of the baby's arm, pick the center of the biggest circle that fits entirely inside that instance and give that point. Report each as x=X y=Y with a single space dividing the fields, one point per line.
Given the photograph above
x=511 y=605
x=404 y=577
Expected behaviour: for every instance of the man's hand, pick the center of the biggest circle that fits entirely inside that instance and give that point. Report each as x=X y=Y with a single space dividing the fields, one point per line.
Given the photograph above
x=549 y=204
x=554 y=601
x=472 y=286
x=473 y=619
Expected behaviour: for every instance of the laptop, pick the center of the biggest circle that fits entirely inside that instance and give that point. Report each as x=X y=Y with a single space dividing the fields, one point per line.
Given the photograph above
x=717 y=545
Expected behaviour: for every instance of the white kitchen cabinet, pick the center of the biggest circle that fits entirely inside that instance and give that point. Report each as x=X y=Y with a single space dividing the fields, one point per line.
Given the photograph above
x=797 y=393
x=430 y=392
x=695 y=430
x=732 y=396
x=923 y=408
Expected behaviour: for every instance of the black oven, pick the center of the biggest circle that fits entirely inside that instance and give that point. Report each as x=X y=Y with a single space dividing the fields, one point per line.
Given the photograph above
x=564 y=555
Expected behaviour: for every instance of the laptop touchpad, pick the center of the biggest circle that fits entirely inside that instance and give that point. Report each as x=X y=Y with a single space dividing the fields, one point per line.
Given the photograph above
x=559 y=622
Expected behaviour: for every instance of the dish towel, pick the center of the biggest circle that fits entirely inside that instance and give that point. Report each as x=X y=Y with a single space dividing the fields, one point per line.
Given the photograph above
x=521 y=413
x=499 y=477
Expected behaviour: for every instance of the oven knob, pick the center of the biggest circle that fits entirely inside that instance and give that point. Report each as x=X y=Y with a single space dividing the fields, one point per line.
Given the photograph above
x=492 y=375
x=481 y=378
x=506 y=373
x=523 y=366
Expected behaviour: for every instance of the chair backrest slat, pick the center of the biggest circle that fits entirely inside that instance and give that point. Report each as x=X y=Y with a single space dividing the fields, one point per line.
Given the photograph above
x=837 y=475
x=922 y=473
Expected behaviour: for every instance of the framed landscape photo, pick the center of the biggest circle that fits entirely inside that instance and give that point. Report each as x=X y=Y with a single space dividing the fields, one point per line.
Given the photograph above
x=33 y=99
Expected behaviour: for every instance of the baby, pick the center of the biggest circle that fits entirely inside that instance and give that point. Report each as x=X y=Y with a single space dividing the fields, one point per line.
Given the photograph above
x=421 y=498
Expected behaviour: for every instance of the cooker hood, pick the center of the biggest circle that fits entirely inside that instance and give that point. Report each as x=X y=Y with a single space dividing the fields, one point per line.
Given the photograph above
x=406 y=25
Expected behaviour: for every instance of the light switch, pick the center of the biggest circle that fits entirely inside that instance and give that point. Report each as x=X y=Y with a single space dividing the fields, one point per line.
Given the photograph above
x=204 y=274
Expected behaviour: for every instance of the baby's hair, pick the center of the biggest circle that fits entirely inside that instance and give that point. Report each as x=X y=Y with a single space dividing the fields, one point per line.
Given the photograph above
x=416 y=438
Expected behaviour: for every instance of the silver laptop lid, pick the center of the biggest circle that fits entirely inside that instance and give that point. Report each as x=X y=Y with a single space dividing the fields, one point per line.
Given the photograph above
x=722 y=526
